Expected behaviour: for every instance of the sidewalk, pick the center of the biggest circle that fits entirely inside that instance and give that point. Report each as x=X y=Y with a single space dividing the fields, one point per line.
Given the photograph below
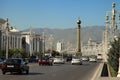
x=109 y=78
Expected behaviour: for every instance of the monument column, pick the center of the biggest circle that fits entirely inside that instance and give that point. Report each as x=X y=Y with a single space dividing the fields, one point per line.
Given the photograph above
x=79 y=38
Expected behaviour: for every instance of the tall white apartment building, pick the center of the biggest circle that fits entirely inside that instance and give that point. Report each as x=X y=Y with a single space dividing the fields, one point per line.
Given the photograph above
x=60 y=46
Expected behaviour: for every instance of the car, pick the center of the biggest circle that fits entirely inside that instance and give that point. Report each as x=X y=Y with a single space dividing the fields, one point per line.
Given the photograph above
x=99 y=57
x=33 y=59
x=45 y=61
x=68 y=58
x=92 y=59
x=58 y=60
x=76 y=60
x=85 y=58
x=1 y=61
x=2 y=58
x=14 y=65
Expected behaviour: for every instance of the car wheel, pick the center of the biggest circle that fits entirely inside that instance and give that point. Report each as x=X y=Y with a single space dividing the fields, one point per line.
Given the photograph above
x=20 y=72
x=80 y=63
x=51 y=64
x=27 y=71
x=3 y=72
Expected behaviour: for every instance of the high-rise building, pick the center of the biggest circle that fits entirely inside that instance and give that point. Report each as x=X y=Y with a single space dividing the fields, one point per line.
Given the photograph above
x=60 y=46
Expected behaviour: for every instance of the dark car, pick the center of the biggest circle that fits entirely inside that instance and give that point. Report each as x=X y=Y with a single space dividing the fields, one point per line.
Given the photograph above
x=14 y=65
x=68 y=58
x=45 y=61
x=1 y=61
x=33 y=59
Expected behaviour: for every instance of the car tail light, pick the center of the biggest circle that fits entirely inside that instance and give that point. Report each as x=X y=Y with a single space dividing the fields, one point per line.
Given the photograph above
x=47 y=60
x=3 y=66
x=39 y=60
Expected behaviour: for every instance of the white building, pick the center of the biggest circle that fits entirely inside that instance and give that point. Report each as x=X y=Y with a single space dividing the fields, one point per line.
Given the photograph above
x=91 y=48
x=31 y=42
x=60 y=46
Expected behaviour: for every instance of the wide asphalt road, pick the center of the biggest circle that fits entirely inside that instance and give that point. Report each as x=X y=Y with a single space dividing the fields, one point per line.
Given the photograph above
x=56 y=72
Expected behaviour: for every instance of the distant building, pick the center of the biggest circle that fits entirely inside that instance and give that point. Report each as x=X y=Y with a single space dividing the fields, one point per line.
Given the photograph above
x=60 y=46
x=91 y=48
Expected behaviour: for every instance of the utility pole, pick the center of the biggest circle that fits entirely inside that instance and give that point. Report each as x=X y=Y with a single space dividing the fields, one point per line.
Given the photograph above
x=79 y=37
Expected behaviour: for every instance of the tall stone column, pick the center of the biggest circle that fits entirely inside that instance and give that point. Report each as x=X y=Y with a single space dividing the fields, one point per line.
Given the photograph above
x=79 y=38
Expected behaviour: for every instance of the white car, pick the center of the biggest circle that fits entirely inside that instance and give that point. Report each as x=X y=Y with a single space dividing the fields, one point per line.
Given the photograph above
x=99 y=56
x=85 y=58
x=76 y=60
x=58 y=60
x=92 y=59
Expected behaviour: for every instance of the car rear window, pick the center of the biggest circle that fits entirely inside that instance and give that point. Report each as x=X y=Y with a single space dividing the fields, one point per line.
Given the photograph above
x=13 y=61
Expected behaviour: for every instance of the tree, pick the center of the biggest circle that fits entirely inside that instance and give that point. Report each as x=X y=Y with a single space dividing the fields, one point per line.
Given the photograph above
x=3 y=52
x=14 y=52
x=113 y=54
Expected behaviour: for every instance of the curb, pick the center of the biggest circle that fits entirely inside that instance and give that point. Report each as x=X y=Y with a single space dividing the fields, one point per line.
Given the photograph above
x=97 y=74
x=109 y=75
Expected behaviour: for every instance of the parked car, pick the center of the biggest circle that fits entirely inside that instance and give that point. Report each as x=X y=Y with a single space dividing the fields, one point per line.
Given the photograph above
x=58 y=60
x=76 y=60
x=14 y=65
x=33 y=59
x=45 y=61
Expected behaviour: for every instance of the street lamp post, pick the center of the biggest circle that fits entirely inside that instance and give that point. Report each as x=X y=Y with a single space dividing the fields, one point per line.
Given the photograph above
x=31 y=39
x=43 y=43
x=112 y=30
x=7 y=29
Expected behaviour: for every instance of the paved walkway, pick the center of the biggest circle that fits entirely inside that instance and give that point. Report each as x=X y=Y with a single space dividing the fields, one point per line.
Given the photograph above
x=109 y=78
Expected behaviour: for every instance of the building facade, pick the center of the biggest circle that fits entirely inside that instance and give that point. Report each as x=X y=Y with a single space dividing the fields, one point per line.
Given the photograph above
x=60 y=46
x=31 y=42
x=91 y=48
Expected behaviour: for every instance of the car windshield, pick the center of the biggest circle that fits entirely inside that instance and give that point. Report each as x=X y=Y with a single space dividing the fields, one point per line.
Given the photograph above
x=13 y=61
x=44 y=58
x=76 y=57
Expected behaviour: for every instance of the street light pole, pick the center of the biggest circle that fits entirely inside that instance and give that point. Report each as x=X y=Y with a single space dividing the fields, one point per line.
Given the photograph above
x=31 y=40
x=112 y=30
x=7 y=29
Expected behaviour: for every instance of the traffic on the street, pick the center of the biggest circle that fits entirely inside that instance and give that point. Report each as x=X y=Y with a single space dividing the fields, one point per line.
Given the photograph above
x=12 y=70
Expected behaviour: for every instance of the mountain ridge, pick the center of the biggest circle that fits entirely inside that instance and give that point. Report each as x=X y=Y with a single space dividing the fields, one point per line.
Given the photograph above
x=69 y=35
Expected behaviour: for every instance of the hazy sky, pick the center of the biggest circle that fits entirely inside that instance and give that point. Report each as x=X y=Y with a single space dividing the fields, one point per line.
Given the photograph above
x=55 y=13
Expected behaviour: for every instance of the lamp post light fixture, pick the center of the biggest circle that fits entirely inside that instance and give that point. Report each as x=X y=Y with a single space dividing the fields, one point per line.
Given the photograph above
x=113 y=13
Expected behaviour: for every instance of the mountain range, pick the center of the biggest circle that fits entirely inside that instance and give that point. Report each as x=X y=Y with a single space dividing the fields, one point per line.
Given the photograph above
x=69 y=36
